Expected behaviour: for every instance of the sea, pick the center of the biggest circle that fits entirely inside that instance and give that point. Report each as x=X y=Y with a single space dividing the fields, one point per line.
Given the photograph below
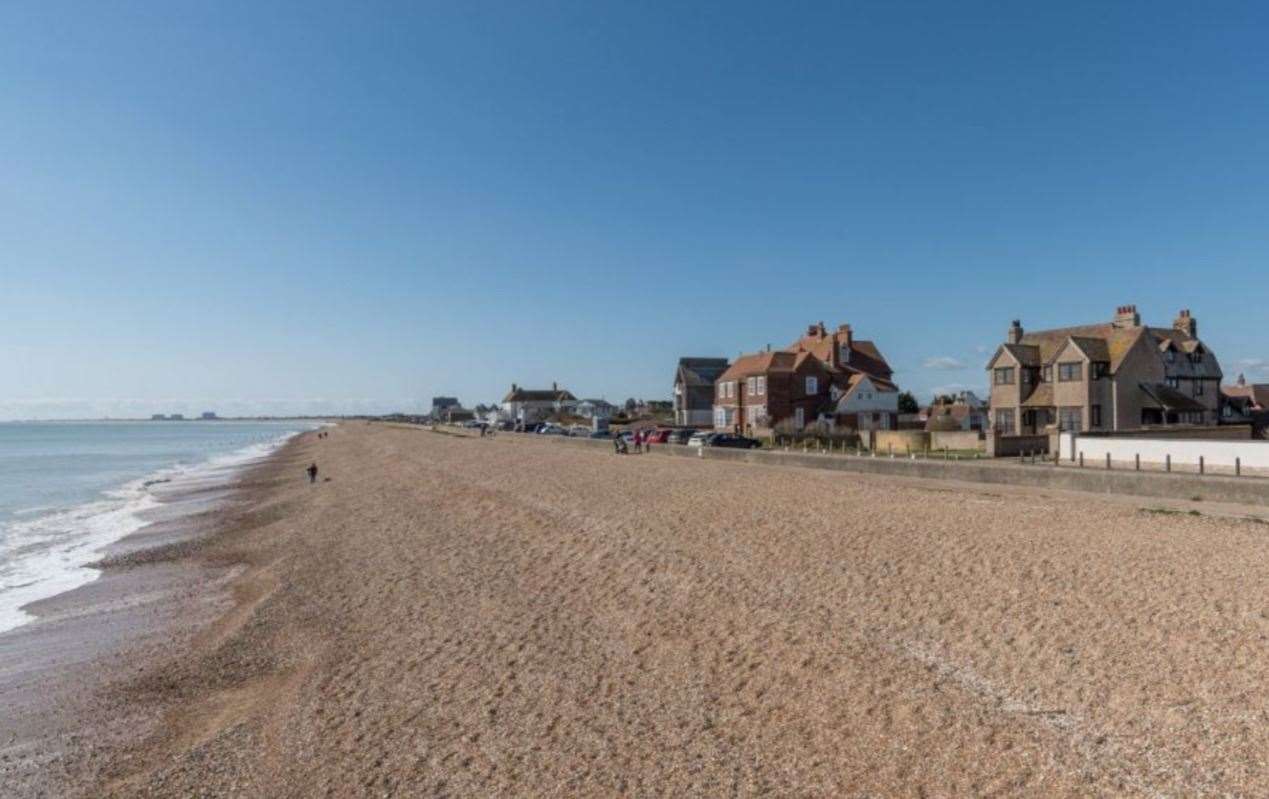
x=70 y=489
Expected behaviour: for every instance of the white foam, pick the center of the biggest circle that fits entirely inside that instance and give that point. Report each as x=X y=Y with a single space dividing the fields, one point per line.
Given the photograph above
x=49 y=554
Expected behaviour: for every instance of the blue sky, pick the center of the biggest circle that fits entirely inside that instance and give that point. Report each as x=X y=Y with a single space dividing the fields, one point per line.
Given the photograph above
x=352 y=207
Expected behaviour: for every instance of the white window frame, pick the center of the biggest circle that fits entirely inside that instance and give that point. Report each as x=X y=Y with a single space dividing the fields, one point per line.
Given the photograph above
x=762 y=386
x=812 y=385
x=751 y=386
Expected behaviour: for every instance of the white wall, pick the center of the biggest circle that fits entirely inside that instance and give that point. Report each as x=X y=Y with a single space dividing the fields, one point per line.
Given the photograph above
x=1253 y=454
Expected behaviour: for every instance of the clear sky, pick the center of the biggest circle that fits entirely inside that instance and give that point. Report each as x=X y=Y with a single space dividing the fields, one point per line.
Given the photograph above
x=347 y=207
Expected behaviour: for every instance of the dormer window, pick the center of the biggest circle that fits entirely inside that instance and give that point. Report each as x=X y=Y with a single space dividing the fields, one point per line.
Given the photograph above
x=845 y=354
x=812 y=385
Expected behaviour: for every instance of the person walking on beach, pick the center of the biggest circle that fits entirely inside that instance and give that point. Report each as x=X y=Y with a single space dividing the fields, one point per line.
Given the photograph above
x=638 y=441
x=312 y=473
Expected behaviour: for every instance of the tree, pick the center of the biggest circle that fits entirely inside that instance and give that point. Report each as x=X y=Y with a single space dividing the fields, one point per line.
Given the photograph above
x=631 y=405
x=908 y=403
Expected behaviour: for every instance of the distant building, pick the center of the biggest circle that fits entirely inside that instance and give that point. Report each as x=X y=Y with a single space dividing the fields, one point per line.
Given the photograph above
x=694 y=390
x=596 y=409
x=830 y=376
x=531 y=405
x=1118 y=375
x=158 y=417
x=176 y=417
x=965 y=412
x=1246 y=403
x=208 y=415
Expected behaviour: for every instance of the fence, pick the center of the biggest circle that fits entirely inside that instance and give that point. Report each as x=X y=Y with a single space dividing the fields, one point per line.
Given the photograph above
x=1201 y=455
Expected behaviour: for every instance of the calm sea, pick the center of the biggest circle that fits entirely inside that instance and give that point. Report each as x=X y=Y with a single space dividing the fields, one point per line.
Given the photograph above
x=68 y=489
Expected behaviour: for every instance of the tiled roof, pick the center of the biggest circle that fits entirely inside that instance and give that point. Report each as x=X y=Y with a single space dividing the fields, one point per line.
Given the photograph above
x=1257 y=393
x=701 y=371
x=760 y=363
x=1170 y=399
x=533 y=395
x=1042 y=397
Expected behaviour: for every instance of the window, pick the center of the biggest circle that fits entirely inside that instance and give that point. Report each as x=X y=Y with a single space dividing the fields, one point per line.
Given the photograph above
x=1095 y=416
x=752 y=386
x=720 y=417
x=1174 y=382
x=1100 y=369
x=762 y=386
x=845 y=354
x=1004 y=421
x=812 y=385
x=1198 y=387
x=1026 y=376
x=1048 y=373
x=1198 y=355
x=1070 y=419
x=1069 y=372
x=1171 y=356
x=731 y=389
x=1004 y=376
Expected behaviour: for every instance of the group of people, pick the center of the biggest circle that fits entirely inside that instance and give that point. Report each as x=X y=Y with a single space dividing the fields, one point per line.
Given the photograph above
x=638 y=439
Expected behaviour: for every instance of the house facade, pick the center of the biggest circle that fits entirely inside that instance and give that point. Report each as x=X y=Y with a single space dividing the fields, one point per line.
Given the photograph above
x=823 y=376
x=595 y=409
x=966 y=411
x=1119 y=375
x=694 y=390
x=1246 y=403
x=532 y=405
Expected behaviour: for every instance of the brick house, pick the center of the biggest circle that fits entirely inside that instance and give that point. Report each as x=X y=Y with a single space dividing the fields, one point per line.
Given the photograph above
x=822 y=375
x=1118 y=375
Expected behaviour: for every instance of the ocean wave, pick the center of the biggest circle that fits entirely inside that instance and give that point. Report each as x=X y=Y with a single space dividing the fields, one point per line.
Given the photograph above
x=50 y=554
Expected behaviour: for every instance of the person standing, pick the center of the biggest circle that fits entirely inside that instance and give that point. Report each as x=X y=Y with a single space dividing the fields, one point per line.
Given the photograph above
x=312 y=473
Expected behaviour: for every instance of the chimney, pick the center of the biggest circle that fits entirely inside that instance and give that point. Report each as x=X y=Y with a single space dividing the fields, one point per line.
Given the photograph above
x=846 y=334
x=1015 y=332
x=820 y=330
x=1127 y=316
x=1242 y=381
x=810 y=330
x=555 y=386
x=514 y=387
x=1186 y=324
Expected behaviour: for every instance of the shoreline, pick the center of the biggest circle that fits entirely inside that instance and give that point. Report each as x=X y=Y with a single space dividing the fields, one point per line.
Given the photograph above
x=153 y=594
x=450 y=615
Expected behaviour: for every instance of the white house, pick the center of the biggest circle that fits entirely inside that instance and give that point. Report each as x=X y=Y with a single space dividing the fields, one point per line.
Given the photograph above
x=531 y=405
x=595 y=408
x=866 y=402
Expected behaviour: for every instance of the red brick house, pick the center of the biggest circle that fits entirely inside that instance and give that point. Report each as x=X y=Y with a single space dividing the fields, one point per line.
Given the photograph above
x=822 y=374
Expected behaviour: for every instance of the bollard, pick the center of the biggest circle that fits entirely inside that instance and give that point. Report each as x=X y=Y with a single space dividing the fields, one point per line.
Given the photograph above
x=890 y=448
x=1167 y=463
x=1200 y=464
x=1238 y=467
x=1107 y=461
x=1033 y=457
x=944 y=453
x=1081 y=460
x=1137 y=458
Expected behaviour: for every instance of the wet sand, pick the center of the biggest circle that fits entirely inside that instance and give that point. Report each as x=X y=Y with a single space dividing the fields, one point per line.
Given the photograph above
x=513 y=616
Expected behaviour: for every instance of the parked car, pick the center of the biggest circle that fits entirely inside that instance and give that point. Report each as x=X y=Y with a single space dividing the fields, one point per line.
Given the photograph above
x=701 y=439
x=552 y=430
x=733 y=441
x=679 y=436
x=658 y=437
x=601 y=434
x=579 y=431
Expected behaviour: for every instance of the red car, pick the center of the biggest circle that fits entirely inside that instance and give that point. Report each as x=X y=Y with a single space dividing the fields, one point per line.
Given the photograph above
x=657 y=437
